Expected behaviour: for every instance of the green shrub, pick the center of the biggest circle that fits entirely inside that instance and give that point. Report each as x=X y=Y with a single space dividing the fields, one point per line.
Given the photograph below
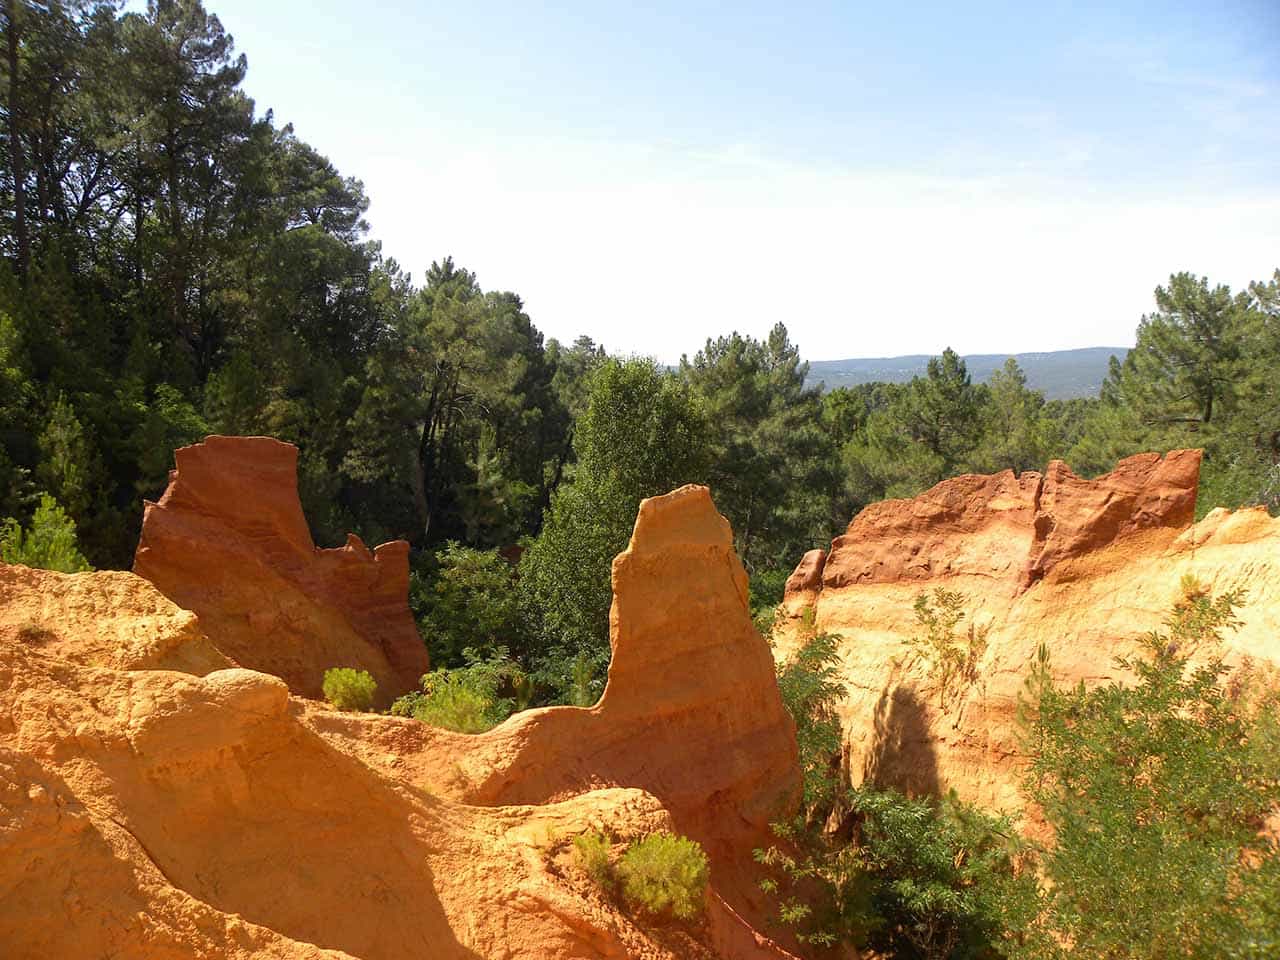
x=953 y=660
x=944 y=879
x=468 y=601
x=49 y=543
x=811 y=691
x=467 y=699
x=1156 y=792
x=591 y=853
x=349 y=689
x=765 y=591
x=665 y=872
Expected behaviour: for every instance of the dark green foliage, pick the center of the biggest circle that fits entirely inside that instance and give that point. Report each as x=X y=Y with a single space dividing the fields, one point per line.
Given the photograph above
x=349 y=689
x=664 y=873
x=1157 y=793
x=465 y=599
x=48 y=543
x=909 y=877
x=771 y=463
x=1202 y=374
x=946 y=880
x=913 y=878
x=765 y=590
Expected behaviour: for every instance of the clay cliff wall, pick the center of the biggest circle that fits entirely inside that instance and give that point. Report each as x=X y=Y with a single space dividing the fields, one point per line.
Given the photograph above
x=1084 y=566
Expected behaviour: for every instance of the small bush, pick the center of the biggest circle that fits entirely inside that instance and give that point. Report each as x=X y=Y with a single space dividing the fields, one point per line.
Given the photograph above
x=49 y=543
x=809 y=683
x=466 y=599
x=591 y=853
x=665 y=872
x=953 y=660
x=1157 y=793
x=349 y=689
x=466 y=699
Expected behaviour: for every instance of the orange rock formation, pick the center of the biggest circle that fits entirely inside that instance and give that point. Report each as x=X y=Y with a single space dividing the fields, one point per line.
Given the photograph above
x=1084 y=566
x=229 y=542
x=156 y=802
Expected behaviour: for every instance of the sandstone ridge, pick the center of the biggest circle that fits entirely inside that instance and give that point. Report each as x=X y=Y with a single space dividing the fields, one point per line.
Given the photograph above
x=228 y=541
x=158 y=800
x=1084 y=566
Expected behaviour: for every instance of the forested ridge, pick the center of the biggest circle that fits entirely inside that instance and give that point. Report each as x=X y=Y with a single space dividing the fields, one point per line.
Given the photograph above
x=177 y=264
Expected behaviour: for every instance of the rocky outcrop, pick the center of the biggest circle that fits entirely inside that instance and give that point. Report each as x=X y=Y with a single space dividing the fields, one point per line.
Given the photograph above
x=108 y=619
x=691 y=712
x=150 y=813
x=1084 y=566
x=228 y=540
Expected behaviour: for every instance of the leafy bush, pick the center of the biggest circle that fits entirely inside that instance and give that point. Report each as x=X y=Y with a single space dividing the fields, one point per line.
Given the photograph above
x=349 y=689
x=944 y=879
x=665 y=872
x=1157 y=794
x=765 y=590
x=49 y=543
x=913 y=878
x=953 y=660
x=467 y=699
x=811 y=692
x=467 y=602
x=591 y=853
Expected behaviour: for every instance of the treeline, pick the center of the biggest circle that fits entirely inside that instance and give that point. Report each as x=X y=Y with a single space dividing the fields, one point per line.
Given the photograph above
x=176 y=264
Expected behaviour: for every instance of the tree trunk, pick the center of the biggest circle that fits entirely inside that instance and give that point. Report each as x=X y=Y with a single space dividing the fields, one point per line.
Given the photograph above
x=16 y=158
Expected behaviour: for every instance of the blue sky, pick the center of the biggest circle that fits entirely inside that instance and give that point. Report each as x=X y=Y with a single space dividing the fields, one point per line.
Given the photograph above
x=884 y=178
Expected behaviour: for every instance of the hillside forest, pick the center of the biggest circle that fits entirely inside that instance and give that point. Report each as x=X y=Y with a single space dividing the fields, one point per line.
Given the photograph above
x=177 y=264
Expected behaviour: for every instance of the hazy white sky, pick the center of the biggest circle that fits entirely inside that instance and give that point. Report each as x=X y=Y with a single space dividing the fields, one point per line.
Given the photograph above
x=885 y=181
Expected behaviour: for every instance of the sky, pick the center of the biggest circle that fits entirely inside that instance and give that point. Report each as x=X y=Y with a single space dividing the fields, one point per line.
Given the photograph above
x=884 y=178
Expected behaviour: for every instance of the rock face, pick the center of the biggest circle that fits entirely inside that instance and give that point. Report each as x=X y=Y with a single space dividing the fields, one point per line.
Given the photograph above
x=228 y=540
x=147 y=813
x=1084 y=566
x=691 y=712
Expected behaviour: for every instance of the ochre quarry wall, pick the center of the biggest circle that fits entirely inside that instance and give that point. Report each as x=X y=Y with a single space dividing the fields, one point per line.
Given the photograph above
x=228 y=541
x=1084 y=566
x=156 y=802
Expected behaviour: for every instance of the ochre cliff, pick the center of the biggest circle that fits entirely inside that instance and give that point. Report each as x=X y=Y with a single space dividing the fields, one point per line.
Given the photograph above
x=228 y=541
x=1084 y=566
x=156 y=802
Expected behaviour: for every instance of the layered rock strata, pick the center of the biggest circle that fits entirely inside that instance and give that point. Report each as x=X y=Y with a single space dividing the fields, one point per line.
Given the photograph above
x=228 y=541
x=1084 y=566
x=151 y=813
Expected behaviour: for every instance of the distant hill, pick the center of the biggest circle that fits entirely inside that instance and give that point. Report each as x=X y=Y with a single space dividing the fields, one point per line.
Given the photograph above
x=1061 y=374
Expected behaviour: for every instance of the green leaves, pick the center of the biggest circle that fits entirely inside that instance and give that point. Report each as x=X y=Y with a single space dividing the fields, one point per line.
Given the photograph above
x=952 y=660
x=1156 y=793
x=349 y=689
x=641 y=434
x=48 y=543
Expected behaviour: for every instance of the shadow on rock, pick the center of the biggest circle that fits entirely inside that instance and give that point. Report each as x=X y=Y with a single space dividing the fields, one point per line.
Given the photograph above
x=902 y=753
